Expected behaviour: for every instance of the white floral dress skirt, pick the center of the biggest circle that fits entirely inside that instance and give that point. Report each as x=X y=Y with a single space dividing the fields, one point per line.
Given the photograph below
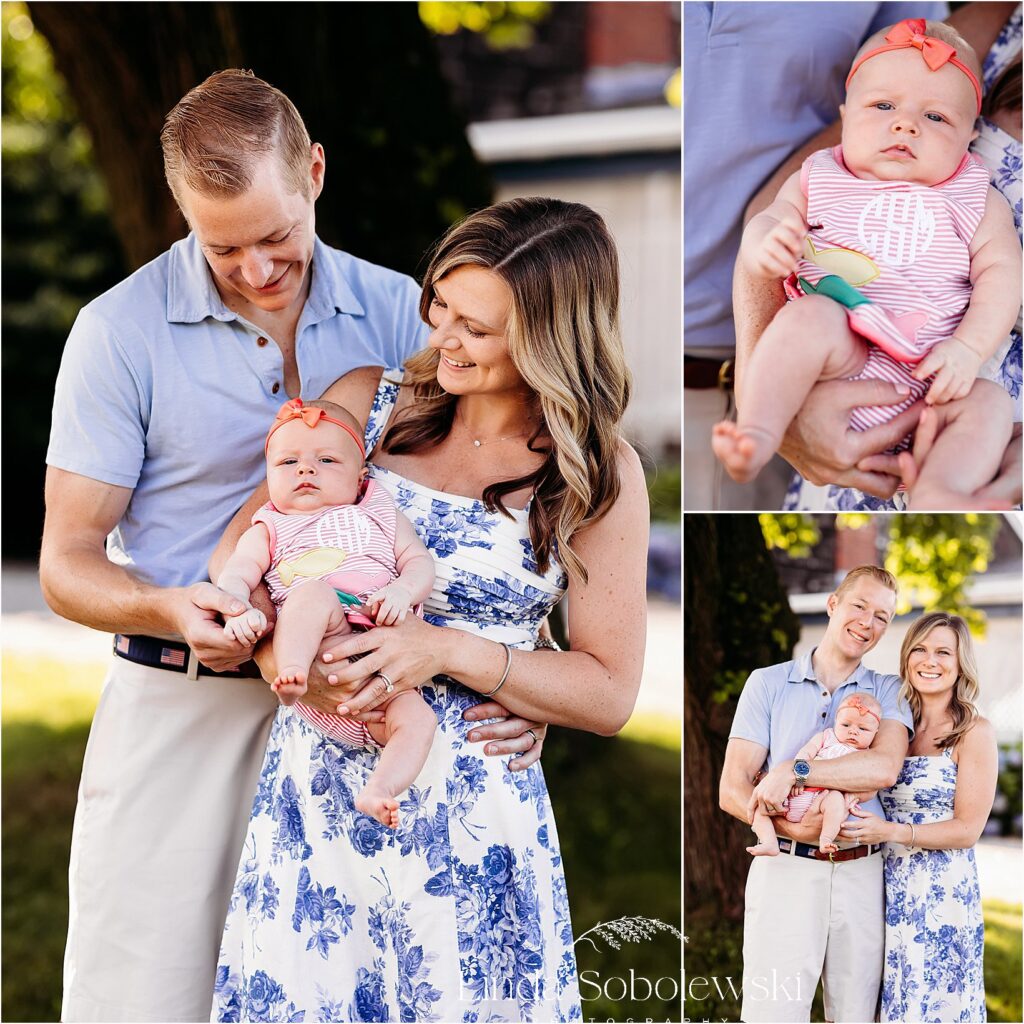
x=934 y=932
x=460 y=914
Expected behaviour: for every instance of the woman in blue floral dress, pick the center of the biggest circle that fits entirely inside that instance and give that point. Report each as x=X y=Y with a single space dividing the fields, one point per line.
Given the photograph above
x=934 y=932
x=502 y=446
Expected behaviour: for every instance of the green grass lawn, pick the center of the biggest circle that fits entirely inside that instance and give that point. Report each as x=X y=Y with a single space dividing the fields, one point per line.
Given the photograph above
x=616 y=803
x=714 y=950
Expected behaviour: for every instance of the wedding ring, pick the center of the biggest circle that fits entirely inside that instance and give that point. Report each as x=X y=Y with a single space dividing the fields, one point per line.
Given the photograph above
x=388 y=685
x=535 y=741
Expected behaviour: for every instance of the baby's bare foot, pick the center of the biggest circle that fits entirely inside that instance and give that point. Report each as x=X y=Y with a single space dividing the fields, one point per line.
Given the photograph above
x=378 y=803
x=290 y=684
x=742 y=452
x=827 y=846
x=764 y=850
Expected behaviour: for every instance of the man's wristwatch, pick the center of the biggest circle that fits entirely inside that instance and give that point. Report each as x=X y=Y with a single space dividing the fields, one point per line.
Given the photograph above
x=801 y=771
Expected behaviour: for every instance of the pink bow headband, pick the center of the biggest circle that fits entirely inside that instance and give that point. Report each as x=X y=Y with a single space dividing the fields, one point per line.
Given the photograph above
x=293 y=409
x=858 y=705
x=934 y=51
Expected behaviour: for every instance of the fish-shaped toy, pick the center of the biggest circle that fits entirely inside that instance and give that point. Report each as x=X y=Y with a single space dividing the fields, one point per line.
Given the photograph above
x=853 y=267
x=316 y=562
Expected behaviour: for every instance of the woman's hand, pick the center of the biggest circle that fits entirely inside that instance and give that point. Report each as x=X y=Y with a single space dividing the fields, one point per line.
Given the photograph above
x=514 y=735
x=408 y=654
x=871 y=828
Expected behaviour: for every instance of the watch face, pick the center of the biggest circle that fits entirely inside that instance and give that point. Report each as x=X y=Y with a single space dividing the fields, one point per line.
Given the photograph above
x=801 y=768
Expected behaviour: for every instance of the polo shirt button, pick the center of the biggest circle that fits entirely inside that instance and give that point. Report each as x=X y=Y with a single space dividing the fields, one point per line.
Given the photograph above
x=823 y=714
x=275 y=388
x=261 y=342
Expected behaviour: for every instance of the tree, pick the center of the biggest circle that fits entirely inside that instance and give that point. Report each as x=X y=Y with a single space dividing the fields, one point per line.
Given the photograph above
x=364 y=76
x=737 y=618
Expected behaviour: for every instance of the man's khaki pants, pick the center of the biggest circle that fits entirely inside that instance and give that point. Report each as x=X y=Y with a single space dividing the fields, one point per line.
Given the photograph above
x=807 y=919
x=170 y=772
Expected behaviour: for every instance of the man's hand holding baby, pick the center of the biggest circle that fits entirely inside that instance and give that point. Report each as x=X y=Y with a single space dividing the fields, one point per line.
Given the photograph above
x=389 y=605
x=955 y=365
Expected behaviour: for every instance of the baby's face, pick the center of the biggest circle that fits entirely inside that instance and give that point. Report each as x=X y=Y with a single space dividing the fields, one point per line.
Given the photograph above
x=855 y=729
x=903 y=122
x=312 y=468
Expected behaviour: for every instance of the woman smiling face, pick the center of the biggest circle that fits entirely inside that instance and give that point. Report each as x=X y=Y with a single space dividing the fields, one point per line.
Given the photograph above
x=469 y=313
x=933 y=665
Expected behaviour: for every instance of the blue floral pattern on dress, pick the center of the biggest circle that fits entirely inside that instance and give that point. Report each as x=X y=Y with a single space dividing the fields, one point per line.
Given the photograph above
x=934 y=933
x=461 y=913
x=1002 y=155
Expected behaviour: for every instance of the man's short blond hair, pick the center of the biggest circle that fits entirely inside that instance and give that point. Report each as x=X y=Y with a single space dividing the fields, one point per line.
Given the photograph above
x=875 y=572
x=218 y=132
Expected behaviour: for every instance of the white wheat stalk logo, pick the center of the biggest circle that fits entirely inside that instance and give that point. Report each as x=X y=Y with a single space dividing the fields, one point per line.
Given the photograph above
x=626 y=929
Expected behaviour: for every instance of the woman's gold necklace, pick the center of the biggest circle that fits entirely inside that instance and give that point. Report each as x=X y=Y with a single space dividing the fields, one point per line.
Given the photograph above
x=478 y=443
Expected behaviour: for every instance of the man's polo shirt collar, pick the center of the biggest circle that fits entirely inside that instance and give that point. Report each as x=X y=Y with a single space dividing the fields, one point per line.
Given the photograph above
x=803 y=669
x=192 y=295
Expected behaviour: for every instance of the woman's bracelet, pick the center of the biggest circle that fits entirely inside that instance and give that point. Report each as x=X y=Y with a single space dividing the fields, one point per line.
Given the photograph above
x=913 y=837
x=504 y=675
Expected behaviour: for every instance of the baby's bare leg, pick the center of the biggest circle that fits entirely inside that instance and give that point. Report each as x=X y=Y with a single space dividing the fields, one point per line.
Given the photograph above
x=809 y=340
x=973 y=435
x=833 y=811
x=308 y=614
x=406 y=735
x=767 y=841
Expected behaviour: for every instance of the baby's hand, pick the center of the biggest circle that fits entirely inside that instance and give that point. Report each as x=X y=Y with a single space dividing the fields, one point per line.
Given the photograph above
x=246 y=628
x=955 y=365
x=389 y=605
x=780 y=249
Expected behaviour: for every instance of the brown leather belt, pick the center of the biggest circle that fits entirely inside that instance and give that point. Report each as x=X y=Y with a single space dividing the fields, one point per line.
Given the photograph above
x=701 y=374
x=813 y=853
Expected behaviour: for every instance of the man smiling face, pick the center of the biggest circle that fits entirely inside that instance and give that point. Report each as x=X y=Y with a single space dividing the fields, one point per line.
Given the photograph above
x=859 y=615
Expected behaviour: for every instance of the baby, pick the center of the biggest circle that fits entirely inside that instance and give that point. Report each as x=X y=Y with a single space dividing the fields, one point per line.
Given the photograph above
x=324 y=551
x=903 y=265
x=857 y=722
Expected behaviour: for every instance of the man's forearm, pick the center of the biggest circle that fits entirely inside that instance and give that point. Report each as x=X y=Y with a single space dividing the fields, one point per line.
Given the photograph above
x=83 y=585
x=861 y=771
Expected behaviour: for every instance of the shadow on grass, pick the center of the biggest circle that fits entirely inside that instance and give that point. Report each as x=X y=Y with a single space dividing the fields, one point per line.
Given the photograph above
x=617 y=807
x=714 y=966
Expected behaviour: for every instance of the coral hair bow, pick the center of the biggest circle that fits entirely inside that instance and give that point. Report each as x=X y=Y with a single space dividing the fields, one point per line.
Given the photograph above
x=857 y=704
x=911 y=33
x=295 y=409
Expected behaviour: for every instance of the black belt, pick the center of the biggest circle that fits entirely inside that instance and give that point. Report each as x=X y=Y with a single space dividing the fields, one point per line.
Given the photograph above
x=806 y=850
x=701 y=374
x=172 y=655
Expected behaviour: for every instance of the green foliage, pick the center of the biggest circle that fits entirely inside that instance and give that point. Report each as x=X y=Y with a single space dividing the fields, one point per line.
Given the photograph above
x=1008 y=788
x=934 y=556
x=59 y=249
x=665 y=492
x=792 y=532
x=505 y=26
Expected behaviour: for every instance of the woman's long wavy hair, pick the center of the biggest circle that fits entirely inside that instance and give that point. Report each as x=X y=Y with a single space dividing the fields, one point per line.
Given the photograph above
x=560 y=265
x=962 y=707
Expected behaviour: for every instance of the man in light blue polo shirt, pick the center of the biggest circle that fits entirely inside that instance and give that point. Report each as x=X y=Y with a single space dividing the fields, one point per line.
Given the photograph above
x=167 y=387
x=807 y=915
